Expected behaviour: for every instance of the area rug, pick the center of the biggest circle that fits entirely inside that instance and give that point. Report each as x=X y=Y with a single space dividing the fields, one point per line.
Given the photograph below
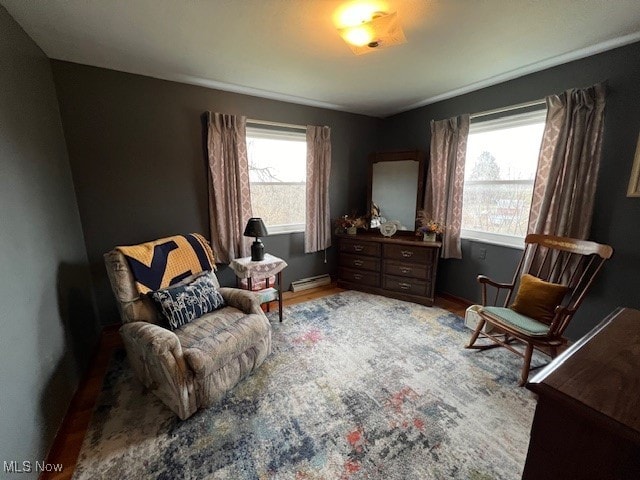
x=358 y=387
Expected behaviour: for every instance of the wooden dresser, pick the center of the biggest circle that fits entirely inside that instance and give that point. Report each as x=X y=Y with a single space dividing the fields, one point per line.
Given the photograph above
x=402 y=267
x=587 y=422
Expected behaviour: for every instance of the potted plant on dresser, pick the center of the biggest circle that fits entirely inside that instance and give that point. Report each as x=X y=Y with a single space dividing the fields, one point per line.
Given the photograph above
x=429 y=228
x=349 y=224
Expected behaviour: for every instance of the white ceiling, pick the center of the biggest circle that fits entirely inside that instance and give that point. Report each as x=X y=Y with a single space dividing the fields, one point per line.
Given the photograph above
x=290 y=49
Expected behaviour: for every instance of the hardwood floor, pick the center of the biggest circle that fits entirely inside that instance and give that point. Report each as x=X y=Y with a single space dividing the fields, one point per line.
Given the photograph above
x=68 y=442
x=453 y=304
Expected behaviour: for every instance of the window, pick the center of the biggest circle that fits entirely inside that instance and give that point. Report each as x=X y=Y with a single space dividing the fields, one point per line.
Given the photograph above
x=277 y=174
x=500 y=168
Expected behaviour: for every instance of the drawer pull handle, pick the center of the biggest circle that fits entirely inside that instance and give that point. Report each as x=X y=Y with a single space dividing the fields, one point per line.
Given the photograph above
x=404 y=286
x=357 y=276
x=358 y=248
x=358 y=263
x=405 y=269
x=406 y=253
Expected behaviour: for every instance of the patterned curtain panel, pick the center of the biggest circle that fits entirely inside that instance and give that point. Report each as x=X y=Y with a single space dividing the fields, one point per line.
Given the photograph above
x=229 y=194
x=443 y=196
x=568 y=165
x=317 y=234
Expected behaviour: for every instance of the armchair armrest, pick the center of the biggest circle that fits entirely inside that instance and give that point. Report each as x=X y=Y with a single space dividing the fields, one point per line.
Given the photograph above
x=156 y=357
x=243 y=300
x=153 y=338
x=484 y=281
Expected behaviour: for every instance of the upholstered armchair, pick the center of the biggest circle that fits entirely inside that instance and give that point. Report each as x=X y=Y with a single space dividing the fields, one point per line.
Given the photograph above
x=194 y=365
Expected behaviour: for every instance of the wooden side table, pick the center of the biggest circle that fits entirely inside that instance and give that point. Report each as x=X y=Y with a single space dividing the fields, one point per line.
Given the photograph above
x=264 y=269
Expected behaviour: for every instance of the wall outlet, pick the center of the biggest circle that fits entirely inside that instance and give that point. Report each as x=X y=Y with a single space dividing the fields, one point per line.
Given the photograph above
x=482 y=254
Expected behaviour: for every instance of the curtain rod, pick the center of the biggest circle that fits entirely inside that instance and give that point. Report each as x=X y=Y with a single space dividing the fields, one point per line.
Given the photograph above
x=276 y=124
x=508 y=109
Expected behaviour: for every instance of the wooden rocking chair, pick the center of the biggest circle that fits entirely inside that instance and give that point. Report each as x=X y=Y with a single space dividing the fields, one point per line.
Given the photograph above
x=553 y=277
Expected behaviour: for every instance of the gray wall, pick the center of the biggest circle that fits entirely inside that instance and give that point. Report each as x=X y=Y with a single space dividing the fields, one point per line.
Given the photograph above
x=615 y=217
x=137 y=156
x=48 y=325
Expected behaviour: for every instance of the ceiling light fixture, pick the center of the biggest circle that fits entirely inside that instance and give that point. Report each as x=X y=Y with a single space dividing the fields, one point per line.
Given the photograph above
x=379 y=30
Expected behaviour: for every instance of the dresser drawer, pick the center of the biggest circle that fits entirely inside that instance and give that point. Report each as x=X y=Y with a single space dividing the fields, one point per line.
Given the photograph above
x=362 y=277
x=411 y=286
x=404 y=269
x=359 y=262
x=414 y=254
x=360 y=247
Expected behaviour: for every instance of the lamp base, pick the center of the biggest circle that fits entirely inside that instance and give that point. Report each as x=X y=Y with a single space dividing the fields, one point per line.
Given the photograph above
x=257 y=251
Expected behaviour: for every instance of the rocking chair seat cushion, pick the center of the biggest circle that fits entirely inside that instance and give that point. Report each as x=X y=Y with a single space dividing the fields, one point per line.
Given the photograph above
x=517 y=321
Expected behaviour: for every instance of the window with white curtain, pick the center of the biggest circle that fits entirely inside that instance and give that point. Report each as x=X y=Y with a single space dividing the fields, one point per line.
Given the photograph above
x=500 y=168
x=277 y=175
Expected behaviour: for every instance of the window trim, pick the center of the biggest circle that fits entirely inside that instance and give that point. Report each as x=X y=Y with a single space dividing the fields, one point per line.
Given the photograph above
x=508 y=121
x=499 y=239
x=273 y=134
x=289 y=228
x=484 y=126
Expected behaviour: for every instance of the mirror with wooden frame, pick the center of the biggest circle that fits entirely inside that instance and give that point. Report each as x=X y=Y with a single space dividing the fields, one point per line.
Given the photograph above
x=396 y=188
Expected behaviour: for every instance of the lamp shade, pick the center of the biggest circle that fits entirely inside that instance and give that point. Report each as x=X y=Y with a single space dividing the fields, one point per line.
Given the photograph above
x=255 y=228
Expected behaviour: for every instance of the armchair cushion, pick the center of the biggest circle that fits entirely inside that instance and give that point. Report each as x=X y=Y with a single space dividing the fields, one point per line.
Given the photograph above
x=511 y=318
x=183 y=303
x=220 y=336
x=538 y=299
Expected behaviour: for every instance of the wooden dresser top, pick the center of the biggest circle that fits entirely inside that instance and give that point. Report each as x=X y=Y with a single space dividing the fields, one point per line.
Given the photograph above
x=397 y=239
x=599 y=375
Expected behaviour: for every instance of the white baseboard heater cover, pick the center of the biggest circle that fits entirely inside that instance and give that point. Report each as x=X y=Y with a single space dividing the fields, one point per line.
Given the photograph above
x=311 y=282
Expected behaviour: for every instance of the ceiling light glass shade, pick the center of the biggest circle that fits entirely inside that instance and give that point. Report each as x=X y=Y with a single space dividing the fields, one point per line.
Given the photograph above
x=353 y=14
x=359 y=36
x=383 y=30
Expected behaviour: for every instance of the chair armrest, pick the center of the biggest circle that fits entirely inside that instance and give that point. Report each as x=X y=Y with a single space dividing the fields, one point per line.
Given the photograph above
x=154 y=339
x=562 y=316
x=244 y=300
x=484 y=281
x=156 y=357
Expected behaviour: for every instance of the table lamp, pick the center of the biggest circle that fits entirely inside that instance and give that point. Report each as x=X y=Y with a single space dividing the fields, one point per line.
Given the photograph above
x=256 y=228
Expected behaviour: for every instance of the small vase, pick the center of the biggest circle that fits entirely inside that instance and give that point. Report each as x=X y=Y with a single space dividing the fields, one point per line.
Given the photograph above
x=352 y=230
x=429 y=237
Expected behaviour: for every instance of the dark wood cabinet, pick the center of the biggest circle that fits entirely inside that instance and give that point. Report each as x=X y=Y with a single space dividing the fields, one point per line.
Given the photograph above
x=402 y=267
x=587 y=421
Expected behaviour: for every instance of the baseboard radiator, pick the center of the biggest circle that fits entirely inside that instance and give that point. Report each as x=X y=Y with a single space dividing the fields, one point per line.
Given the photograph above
x=311 y=282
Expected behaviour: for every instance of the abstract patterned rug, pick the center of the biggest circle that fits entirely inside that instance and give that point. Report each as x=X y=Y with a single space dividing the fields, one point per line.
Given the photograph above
x=358 y=387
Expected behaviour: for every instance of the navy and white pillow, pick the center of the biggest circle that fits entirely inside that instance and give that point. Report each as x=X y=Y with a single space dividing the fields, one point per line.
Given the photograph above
x=183 y=303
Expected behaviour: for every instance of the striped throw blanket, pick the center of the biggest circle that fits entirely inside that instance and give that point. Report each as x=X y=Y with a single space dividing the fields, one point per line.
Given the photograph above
x=161 y=263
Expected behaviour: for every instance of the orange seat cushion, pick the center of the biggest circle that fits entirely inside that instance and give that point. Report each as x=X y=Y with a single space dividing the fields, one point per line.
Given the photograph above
x=538 y=299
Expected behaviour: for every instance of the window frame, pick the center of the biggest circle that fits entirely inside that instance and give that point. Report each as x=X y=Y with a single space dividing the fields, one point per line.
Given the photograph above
x=268 y=132
x=522 y=118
